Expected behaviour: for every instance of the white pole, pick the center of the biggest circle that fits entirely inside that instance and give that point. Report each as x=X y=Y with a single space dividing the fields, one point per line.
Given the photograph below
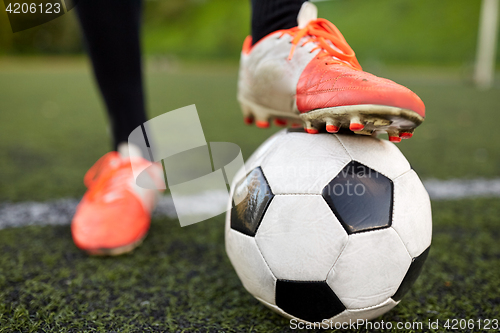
x=484 y=73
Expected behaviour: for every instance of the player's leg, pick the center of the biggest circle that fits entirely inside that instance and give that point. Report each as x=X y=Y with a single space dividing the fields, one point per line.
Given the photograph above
x=272 y=15
x=114 y=214
x=111 y=31
x=309 y=74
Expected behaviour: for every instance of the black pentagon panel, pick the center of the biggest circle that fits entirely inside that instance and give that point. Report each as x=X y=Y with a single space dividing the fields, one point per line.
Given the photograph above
x=361 y=198
x=312 y=301
x=412 y=275
x=246 y=216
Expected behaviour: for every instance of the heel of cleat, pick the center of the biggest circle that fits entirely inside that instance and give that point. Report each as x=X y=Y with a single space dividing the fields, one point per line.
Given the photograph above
x=248 y=116
x=262 y=116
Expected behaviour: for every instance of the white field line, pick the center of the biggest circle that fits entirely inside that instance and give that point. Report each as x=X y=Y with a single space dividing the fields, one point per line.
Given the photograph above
x=60 y=212
x=461 y=188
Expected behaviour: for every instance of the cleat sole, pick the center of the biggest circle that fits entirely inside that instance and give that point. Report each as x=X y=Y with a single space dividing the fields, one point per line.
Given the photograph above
x=366 y=119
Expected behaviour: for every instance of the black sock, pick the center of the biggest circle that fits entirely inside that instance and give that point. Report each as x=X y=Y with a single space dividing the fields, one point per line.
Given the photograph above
x=272 y=15
x=111 y=29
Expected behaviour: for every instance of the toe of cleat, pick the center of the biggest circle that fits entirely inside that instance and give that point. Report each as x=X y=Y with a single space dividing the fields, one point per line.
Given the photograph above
x=394 y=138
x=405 y=135
x=397 y=136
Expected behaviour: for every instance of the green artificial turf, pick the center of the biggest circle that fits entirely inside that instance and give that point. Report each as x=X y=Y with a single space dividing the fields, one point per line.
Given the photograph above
x=180 y=279
x=52 y=129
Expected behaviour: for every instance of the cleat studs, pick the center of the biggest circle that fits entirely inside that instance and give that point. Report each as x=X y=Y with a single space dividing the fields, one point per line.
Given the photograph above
x=356 y=124
x=280 y=122
x=394 y=136
x=248 y=116
x=332 y=126
x=356 y=127
x=310 y=129
x=405 y=135
x=262 y=123
x=248 y=120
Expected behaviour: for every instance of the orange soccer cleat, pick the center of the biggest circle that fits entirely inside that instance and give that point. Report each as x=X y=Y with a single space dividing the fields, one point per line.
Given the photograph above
x=115 y=214
x=310 y=74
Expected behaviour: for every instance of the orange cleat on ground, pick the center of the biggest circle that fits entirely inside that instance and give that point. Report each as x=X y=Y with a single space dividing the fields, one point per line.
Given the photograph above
x=115 y=214
x=310 y=74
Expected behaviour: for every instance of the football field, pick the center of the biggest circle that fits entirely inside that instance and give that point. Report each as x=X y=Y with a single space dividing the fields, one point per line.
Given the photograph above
x=52 y=129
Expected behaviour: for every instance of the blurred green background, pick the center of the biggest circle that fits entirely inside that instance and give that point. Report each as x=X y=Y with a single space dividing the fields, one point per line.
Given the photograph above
x=381 y=32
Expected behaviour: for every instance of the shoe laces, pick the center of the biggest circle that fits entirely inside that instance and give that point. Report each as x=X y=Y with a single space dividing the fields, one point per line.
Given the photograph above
x=322 y=32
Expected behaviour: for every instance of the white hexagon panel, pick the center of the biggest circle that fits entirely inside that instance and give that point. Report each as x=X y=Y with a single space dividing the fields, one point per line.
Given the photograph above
x=412 y=216
x=300 y=237
x=370 y=269
x=304 y=163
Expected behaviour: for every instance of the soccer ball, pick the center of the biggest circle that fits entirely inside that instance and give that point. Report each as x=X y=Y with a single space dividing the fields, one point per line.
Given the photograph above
x=328 y=227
